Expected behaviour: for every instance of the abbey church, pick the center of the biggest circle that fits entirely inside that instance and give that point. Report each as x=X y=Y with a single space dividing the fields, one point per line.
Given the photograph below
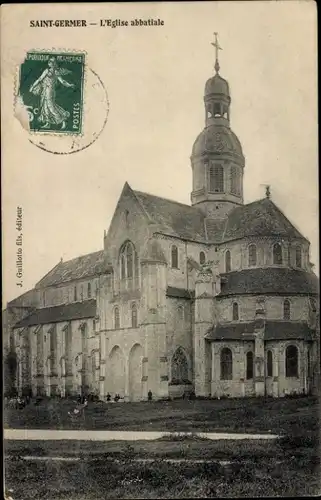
x=217 y=298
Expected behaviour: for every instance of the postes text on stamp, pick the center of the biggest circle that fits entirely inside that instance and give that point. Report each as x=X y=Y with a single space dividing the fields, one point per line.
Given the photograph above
x=51 y=89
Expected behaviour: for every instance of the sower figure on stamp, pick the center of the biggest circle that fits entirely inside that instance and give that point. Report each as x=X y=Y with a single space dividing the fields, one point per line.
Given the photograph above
x=45 y=86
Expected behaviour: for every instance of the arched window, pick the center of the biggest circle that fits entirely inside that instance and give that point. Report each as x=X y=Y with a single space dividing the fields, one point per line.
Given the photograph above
x=269 y=364
x=235 y=313
x=235 y=180
x=277 y=254
x=298 y=256
x=216 y=179
x=81 y=292
x=227 y=261
x=286 y=310
x=116 y=318
x=129 y=266
x=252 y=255
x=75 y=294
x=226 y=364
x=179 y=367
x=217 y=109
x=249 y=365
x=309 y=364
x=291 y=361
x=134 y=316
x=174 y=257
x=89 y=290
x=202 y=258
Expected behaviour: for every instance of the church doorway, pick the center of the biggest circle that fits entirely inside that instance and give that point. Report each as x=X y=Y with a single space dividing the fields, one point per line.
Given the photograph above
x=135 y=373
x=117 y=372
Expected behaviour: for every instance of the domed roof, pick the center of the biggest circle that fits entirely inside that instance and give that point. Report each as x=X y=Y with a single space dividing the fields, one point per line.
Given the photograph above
x=217 y=85
x=217 y=139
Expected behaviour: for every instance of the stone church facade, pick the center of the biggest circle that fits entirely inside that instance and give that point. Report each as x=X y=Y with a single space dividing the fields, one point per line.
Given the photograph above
x=216 y=297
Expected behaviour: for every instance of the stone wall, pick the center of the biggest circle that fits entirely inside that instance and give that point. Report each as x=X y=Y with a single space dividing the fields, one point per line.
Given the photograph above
x=273 y=307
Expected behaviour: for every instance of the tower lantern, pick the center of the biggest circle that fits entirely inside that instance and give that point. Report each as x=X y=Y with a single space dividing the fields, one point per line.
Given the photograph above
x=217 y=158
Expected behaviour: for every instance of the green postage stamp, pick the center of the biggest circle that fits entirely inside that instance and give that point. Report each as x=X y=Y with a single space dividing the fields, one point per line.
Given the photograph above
x=51 y=89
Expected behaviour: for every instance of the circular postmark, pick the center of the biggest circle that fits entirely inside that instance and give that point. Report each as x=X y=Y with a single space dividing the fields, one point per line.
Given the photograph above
x=60 y=102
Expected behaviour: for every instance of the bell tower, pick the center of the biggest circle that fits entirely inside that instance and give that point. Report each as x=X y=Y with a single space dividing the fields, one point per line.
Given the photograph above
x=217 y=158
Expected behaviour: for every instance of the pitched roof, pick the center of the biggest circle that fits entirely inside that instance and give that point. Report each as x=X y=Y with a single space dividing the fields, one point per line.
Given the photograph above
x=26 y=300
x=260 y=218
x=68 y=312
x=174 y=218
x=80 y=267
x=269 y=280
x=181 y=293
x=274 y=330
x=215 y=229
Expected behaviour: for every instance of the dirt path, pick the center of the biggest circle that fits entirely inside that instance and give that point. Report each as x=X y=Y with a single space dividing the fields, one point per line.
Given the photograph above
x=100 y=435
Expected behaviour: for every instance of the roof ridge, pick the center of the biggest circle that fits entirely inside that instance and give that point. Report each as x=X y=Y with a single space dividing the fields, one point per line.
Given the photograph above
x=166 y=199
x=275 y=206
x=80 y=257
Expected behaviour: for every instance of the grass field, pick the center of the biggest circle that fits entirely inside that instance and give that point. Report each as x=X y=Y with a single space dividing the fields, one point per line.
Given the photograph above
x=242 y=415
x=288 y=466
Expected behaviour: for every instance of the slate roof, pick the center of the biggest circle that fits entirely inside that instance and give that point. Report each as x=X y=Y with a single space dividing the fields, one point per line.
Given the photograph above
x=260 y=218
x=80 y=267
x=68 y=312
x=25 y=300
x=269 y=280
x=175 y=218
x=181 y=293
x=215 y=229
x=274 y=330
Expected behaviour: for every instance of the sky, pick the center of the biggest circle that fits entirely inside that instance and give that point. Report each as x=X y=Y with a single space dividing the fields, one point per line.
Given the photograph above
x=155 y=78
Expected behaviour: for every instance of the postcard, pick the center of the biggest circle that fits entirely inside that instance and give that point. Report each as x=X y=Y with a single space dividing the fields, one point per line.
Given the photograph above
x=161 y=332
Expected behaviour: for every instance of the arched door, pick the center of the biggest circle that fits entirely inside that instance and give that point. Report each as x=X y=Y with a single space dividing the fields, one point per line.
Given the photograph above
x=135 y=373
x=116 y=372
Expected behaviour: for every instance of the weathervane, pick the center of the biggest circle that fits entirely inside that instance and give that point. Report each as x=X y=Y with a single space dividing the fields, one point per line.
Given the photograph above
x=217 y=48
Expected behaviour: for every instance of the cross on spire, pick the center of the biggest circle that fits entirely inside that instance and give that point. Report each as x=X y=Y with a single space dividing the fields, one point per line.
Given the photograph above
x=217 y=48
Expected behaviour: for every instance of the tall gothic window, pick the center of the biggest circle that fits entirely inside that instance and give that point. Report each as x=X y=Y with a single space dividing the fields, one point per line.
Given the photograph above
x=75 y=294
x=227 y=261
x=286 y=310
x=216 y=179
x=134 y=316
x=89 y=290
x=226 y=364
x=202 y=258
x=174 y=257
x=252 y=255
x=116 y=318
x=179 y=367
x=235 y=180
x=249 y=365
x=235 y=311
x=291 y=361
x=269 y=364
x=298 y=256
x=277 y=254
x=129 y=267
